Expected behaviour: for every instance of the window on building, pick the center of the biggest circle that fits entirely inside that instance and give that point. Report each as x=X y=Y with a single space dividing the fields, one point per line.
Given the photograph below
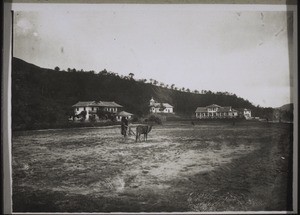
x=84 y=108
x=92 y=108
x=77 y=109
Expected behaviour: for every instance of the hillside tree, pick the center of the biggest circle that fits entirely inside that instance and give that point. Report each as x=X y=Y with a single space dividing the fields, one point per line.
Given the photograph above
x=131 y=76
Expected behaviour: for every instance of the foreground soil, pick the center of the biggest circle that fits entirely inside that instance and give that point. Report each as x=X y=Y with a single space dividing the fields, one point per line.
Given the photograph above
x=181 y=168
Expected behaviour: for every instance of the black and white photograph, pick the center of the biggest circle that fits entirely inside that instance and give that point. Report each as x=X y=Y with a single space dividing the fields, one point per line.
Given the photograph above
x=152 y=108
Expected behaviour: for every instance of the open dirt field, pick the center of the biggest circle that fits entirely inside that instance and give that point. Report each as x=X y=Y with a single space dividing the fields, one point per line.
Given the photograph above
x=205 y=167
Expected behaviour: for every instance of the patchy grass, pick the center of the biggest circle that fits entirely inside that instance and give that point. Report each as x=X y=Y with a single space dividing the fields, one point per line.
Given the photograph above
x=206 y=167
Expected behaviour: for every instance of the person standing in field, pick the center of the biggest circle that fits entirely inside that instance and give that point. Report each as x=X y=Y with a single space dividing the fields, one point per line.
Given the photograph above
x=124 y=126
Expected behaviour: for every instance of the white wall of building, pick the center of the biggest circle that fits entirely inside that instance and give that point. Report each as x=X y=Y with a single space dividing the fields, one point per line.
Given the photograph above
x=214 y=114
x=156 y=110
x=119 y=118
x=78 y=110
x=89 y=110
x=168 y=110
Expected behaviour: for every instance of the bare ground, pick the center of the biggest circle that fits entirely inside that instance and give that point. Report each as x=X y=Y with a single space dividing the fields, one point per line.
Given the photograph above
x=206 y=167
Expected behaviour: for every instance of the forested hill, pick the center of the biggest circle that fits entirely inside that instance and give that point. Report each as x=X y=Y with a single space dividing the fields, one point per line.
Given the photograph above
x=45 y=96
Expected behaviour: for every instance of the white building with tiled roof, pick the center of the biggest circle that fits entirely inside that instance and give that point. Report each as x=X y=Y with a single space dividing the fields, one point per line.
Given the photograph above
x=109 y=106
x=91 y=107
x=157 y=107
x=215 y=111
x=124 y=114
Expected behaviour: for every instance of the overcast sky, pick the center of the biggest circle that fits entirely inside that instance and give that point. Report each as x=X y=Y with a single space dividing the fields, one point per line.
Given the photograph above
x=240 y=51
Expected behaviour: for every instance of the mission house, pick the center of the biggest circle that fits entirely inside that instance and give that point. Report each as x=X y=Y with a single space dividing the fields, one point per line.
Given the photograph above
x=91 y=107
x=157 y=107
x=217 y=112
x=209 y=112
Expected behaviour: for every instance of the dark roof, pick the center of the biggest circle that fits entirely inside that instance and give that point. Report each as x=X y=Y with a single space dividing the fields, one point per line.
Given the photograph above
x=201 y=109
x=108 y=104
x=224 y=109
x=124 y=113
x=84 y=104
x=213 y=105
x=166 y=105
x=96 y=104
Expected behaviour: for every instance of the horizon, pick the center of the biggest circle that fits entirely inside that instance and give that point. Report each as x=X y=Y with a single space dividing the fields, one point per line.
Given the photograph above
x=245 y=52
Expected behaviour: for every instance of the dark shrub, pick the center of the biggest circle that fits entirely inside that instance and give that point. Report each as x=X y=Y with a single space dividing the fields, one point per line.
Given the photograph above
x=134 y=119
x=92 y=118
x=155 y=119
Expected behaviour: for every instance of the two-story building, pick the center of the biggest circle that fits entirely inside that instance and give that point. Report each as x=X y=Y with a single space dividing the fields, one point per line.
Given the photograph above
x=91 y=107
x=215 y=112
x=157 y=107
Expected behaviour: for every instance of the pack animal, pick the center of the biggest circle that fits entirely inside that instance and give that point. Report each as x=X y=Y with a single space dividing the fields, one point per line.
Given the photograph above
x=142 y=129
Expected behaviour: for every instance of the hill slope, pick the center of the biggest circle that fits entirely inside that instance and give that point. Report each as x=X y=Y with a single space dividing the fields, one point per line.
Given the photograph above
x=287 y=107
x=45 y=96
x=284 y=113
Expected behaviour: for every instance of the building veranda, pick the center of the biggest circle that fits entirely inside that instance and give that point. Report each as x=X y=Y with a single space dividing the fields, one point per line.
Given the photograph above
x=87 y=110
x=217 y=112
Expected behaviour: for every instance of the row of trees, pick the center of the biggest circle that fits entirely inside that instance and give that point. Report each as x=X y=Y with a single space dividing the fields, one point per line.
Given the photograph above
x=130 y=76
x=156 y=83
x=44 y=97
